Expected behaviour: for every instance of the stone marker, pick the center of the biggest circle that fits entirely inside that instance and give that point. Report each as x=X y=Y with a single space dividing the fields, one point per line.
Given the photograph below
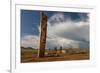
x=43 y=33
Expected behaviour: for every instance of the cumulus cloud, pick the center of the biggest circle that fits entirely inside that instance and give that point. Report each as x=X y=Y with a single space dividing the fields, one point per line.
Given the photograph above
x=30 y=41
x=68 y=33
x=56 y=18
x=63 y=32
x=75 y=31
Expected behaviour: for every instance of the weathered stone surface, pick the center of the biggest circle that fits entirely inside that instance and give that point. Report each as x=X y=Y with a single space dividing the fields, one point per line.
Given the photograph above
x=43 y=23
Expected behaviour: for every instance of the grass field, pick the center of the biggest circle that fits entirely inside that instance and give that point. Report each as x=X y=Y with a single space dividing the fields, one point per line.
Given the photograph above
x=31 y=55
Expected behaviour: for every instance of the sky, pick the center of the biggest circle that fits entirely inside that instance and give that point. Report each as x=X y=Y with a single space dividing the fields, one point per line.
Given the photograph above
x=66 y=29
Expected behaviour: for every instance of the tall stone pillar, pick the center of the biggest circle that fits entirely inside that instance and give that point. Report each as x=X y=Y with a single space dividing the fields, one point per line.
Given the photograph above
x=43 y=33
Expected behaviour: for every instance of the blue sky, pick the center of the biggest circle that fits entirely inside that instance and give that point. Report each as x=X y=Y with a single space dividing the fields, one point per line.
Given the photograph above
x=30 y=21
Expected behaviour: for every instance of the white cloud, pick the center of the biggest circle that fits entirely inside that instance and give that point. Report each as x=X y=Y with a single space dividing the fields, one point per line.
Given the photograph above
x=75 y=34
x=65 y=43
x=57 y=17
x=30 y=41
x=63 y=32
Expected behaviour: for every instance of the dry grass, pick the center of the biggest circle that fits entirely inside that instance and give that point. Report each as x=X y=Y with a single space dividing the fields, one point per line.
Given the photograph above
x=30 y=55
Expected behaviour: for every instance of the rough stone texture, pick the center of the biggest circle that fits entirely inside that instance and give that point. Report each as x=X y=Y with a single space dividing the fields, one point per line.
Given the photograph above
x=43 y=23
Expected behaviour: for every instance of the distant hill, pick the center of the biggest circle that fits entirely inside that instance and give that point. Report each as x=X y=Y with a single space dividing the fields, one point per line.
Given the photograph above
x=27 y=48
